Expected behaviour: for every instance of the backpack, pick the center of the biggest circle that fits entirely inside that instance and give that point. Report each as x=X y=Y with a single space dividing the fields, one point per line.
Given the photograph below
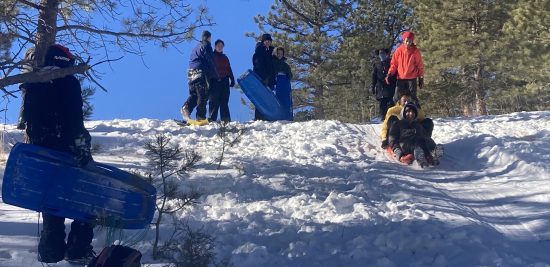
x=116 y=256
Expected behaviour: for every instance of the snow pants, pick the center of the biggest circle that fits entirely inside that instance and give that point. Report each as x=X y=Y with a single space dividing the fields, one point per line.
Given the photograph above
x=406 y=85
x=198 y=97
x=219 y=100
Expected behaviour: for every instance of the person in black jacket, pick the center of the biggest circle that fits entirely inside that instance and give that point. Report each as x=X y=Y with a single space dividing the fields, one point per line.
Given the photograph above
x=262 y=60
x=219 y=88
x=382 y=91
x=54 y=119
x=407 y=136
x=201 y=70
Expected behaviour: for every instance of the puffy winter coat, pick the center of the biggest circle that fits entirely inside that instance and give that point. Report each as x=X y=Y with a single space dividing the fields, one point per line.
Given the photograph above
x=262 y=61
x=223 y=67
x=379 y=72
x=53 y=111
x=396 y=111
x=202 y=59
x=280 y=65
x=407 y=135
x=407 y=62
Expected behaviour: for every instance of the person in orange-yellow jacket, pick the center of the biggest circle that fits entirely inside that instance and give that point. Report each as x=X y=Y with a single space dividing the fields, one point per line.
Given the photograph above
x=407 y=63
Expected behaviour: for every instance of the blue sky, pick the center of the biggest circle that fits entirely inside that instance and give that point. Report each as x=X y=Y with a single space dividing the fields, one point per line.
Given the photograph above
x=155 y=86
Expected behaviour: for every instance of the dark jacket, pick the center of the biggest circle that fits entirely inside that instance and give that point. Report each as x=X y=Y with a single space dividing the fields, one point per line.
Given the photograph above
x=379 y=87
x=53 y=111
x=202 y=59
x=223 y=67
x=280 y=65
x=407 y=135
x=262 y=61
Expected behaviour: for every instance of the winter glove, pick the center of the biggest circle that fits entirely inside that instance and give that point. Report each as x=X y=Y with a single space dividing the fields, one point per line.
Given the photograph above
x=385 y=144
x=420 y=82
x=232 y=83
x=397 y=152
x=82 y=149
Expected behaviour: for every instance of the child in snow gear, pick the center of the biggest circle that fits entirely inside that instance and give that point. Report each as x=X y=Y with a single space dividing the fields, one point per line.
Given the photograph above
x=382 y=91
x=407 y=63
x=393 y=115
x=262 y=60
x=53 y=114
x=201 y=70
x=283 y=76
x=117 y=256
x=219 y=88
x=407 y=136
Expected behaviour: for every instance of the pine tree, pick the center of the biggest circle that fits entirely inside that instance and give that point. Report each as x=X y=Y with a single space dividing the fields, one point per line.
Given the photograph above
x=463 y=39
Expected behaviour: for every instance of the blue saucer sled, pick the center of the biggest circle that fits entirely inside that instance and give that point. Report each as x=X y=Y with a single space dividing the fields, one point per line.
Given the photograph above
x=46 y=180
x=261 y=96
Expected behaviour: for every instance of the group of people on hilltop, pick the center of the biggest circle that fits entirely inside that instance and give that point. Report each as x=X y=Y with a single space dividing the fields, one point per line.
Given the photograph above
x=406 y=131
x=210 y=76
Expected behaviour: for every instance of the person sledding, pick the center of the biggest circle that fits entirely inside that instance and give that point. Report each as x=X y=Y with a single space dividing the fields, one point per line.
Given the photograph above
x=393 y=115
x=409 y=140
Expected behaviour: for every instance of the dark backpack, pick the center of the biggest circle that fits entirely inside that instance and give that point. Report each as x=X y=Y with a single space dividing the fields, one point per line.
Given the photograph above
x=117 y=256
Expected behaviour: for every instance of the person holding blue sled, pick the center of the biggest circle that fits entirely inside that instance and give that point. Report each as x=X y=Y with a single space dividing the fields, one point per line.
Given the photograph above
x=262 y=60
x=283 y=76
x=54 y=119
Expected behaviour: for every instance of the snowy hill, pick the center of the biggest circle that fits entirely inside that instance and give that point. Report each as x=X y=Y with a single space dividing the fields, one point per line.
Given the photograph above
x=322 y=193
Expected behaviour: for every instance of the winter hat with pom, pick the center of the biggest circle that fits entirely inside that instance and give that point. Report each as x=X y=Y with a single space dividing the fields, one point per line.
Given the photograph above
x=59 y=56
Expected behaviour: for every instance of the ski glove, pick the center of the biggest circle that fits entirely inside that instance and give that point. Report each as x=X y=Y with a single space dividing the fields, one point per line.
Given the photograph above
x=232 y=83
x=385 y=144
x=420 y=82
x=397 y=152
x=82 y=149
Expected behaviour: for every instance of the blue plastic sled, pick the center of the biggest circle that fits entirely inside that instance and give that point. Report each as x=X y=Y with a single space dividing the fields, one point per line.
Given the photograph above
x=282 y=92
x=262 y=98
x=50 y=181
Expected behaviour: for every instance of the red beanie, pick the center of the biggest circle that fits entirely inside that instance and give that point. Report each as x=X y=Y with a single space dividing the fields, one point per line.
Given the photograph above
x=408 y=35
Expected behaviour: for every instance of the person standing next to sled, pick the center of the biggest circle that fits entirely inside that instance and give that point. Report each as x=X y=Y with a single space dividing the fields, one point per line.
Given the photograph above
x=201 y=70
x=280 y=67
x=407 y=136
x=407 y=63
x=380 y=89
x=394 y=114
x=219 y=87
x=54 y=118
x=262 y=60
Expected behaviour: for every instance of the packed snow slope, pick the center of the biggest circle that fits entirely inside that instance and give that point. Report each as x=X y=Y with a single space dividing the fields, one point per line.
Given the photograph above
x=323 y=193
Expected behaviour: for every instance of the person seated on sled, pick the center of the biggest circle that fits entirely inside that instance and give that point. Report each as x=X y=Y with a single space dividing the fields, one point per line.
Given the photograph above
x=408 y=136
x=54 y=119
x=393 y=115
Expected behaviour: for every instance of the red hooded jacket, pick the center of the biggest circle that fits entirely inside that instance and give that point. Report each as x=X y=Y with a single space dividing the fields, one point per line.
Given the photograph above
x=407 y=62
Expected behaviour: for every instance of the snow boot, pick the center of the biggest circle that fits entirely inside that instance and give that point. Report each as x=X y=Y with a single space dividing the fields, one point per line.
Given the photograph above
x=421 y=157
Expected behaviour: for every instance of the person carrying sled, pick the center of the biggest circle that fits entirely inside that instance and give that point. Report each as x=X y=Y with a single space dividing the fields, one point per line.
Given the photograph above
x=201 y=70
x=262 y=62
x=409 y=140
x=283 y=92
x=219 y=87
x=380 y=89
x=407 y=63
x=394 y=113
x=54 y=119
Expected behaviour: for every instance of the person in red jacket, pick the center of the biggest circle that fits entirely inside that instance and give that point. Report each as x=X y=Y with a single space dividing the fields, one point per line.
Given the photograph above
x=407 y=63
x=219 y=90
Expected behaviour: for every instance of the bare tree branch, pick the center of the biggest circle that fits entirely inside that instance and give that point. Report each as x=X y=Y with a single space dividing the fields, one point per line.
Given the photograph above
x=113 y=33
x=31 y=4
x=43 y=76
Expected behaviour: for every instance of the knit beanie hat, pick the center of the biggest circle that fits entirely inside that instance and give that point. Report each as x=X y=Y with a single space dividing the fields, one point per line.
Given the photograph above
x=266 y=36
x=409 y=106
x=59 y=56
x=408 y=35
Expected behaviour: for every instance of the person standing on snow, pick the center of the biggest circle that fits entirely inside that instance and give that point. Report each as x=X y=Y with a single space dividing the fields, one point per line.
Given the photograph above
x=262 y=60
x=54 y=119
x=380 y=89
x=394 y=114
x=219 y=87
x=201 y=70
x=407 y=136
x=407 y=63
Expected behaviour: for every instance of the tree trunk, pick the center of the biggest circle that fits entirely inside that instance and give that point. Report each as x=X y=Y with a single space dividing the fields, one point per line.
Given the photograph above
x=47 y=28
x=481 y=106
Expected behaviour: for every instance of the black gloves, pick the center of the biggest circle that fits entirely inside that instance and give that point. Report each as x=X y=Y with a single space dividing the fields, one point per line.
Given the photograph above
x=82 y=149
x=385 y=144
x=420 y=82
x=232 y=83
